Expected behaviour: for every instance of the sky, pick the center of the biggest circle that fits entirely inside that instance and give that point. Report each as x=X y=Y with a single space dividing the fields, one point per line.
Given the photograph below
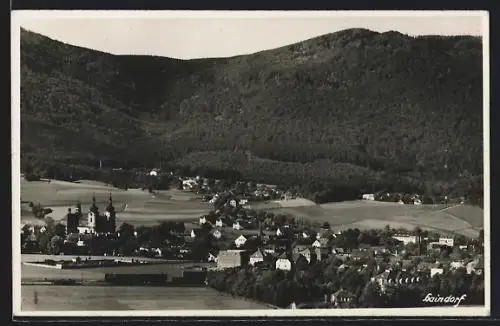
x=205 y=34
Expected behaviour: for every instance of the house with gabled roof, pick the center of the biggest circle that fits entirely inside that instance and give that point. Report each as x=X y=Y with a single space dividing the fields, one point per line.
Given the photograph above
x=240 y=241
x=283 y=263
x=256 y=257
x=307 y=253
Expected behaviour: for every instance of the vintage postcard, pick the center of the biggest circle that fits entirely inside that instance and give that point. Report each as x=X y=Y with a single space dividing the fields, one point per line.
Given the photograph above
x=175 y=163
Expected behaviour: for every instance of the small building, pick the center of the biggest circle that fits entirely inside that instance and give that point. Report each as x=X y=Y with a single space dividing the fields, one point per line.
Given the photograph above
x=279 y=233
x=269 y=249
x=193 y=233
x=232 y=258
x=153 y=173
x=256 y=257
x=320 y=243
x=447 y=241
x=406 y=238
x=436 y=271
x=307 y=253
x=342 y=297
x=237 y=226
x=476 y=266
x=368 y=196
x=203 y=220
x=218 y=223
x=217 y=234
x=283 y=263
x=240 y=241
x=211 y=257
x=457 y=264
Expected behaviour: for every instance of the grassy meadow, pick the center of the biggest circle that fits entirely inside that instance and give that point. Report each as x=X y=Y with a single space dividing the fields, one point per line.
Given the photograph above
x=460 y=219
x=89 y=298
x=133 y=206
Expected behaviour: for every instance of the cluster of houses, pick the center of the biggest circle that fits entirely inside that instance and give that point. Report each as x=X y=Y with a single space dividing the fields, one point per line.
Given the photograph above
x=411 y=199
x=234 y=197
x=278 y=255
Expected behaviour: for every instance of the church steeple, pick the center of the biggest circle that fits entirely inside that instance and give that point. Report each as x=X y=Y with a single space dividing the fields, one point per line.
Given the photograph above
x=110 y=208
x=94 y=208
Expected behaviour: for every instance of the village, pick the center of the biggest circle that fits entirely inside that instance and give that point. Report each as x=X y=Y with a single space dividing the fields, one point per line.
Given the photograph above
x=233 y=236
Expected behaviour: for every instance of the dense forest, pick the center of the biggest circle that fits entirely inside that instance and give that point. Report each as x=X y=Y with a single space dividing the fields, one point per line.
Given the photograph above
x=354 y=108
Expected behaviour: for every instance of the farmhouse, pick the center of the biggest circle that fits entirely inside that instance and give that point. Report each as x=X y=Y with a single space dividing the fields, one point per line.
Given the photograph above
x=218 y=223
x=203 y=220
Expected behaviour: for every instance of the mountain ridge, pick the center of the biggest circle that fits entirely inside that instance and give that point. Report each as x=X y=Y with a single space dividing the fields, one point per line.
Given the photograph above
x=330 y=97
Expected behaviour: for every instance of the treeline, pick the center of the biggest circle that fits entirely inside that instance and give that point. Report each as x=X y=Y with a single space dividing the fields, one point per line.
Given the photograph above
x=124 y=179
x=356 y=100
x=308 y=285
x=321 y=181
x=327 y=181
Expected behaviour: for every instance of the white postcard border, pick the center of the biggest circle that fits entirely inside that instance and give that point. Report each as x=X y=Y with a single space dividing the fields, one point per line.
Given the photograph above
x=19 y=15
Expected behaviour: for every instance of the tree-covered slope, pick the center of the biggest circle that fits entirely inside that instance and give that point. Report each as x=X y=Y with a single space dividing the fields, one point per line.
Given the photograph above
x=380 y=101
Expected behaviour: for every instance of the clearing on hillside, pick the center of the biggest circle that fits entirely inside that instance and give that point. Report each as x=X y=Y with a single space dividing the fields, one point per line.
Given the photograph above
x=372 y=214
x=133 y=206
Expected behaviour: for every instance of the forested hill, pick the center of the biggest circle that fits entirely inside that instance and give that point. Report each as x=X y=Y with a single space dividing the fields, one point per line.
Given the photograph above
x=366 y=100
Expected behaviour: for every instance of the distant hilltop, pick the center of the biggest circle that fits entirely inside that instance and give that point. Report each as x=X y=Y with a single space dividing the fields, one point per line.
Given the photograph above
x=369 y=101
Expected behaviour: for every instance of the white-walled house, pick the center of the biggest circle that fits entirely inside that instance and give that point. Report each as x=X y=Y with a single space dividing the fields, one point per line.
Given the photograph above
x=436 y=271
x=406 y=238
x=368 y=196
x=218 y=223
x=193 y=234
x=217 y=234
x=240 y=241
x=283 y=263
x=279 y=233
x=203 y=220
x=237 y=226
x=256 y=257
x=233 y=202
x=447 y=241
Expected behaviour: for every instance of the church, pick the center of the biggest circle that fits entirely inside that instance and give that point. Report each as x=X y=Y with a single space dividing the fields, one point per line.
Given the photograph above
x=95 y=223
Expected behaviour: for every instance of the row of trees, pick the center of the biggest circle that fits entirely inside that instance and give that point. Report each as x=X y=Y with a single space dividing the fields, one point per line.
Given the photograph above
x=308 y=284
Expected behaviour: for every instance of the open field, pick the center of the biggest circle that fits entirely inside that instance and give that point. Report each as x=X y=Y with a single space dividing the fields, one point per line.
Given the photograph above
x=40 y=273
x=460 y=219
x=74 y=298
x=133 y=206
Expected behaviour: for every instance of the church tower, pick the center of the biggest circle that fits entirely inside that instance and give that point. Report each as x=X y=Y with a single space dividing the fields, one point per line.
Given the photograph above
x=93 y=214
x=111 y=215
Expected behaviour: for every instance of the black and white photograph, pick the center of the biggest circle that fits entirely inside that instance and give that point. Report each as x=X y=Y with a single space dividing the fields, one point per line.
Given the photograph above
x=265 y=163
